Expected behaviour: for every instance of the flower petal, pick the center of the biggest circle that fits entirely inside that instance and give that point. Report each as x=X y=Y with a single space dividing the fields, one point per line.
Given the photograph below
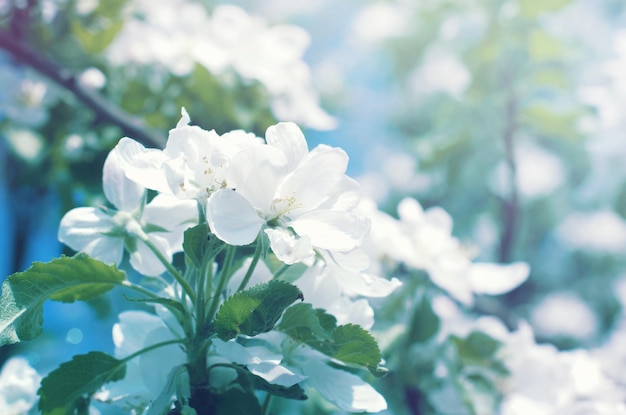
x=173 y=214
x=287 y=137
x=349 y=392
x=334 y=230
x=125 y=194
x=84 y=229
x=494 y=279
x=142 y=165
x=288 y=248
x=145 y=261
x=318 y=178
x=232 y=218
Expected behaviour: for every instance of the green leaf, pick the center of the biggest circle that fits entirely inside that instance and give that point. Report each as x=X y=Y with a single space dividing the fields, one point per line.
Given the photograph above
x=349 y=343
x=199 y=244
x=65 y=279
x=95 y=39
x=255 y=310
x=80 y=377
x=304 y=324
x=424 y=324
x=356 y=345
x=479 y=349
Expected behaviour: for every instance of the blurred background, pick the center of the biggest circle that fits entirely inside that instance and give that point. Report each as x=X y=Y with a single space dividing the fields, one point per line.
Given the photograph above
x=510 y=115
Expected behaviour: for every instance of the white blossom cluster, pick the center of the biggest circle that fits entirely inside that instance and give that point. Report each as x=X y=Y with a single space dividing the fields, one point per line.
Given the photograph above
x=180 y=34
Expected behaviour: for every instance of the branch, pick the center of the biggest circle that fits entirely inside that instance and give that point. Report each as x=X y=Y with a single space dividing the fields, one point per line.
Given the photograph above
x=510 y=206
x=131 y=126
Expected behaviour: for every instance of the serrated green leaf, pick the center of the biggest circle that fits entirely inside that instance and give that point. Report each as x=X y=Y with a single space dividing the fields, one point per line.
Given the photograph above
x=255 y=310
x=303 y=323
x=356 y=345
x=81 y=376
x=349 y=343
x=65 y=279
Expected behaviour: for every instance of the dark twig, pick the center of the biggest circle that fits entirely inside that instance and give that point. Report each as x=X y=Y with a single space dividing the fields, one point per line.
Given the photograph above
x=131 y=126
x=510 y=204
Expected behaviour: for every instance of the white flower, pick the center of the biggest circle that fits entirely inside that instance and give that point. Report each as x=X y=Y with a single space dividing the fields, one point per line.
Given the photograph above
x=179 y=34
x=193 y=164
x=448 y=263
x=103 y=233
x=18 y=386
x=146 y=375
x=304 y=198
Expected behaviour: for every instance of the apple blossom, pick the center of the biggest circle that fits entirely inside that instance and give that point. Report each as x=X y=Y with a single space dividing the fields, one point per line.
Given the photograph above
x=303 y=199
x=103 y=233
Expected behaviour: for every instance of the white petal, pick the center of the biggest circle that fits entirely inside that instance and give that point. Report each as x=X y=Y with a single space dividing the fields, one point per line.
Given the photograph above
x=355 y=260
x=234 y=352
x=172 y=214
x=494 y=279
x=125 y=194
x=410 y=211
x=106 y=249
x=83 y=229
x=157 y=364
x=289 y=139
x=333 y=230
x=288 y=248
x=232 y=218
x=318 y=178
x=145 y=261
x=349 y=392
x=142 y=165
x=367 y=285
x=184 y=118
x=256 y=173
x=275 y=374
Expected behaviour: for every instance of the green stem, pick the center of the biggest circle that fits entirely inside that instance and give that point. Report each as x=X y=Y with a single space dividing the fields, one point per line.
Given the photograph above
x=266 y=404
x=150 y=348
x=173 y=271
x=139 y=289
x=224 y=275
x=257 y=255
x=280 y=271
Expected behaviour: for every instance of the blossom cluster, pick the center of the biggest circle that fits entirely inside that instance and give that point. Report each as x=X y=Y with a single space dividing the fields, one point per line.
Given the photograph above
x=181 y=34
x=246 y=190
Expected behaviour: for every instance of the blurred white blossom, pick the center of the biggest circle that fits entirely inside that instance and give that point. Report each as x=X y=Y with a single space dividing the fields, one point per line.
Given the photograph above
x=19 y=383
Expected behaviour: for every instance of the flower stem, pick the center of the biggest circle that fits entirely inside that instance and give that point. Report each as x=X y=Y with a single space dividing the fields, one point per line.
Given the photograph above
x=257 y=255
x=280 y=271
x=173 y=271
x=266 y=403
x=139 y=289
x=150 y=348
x=224 y=275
